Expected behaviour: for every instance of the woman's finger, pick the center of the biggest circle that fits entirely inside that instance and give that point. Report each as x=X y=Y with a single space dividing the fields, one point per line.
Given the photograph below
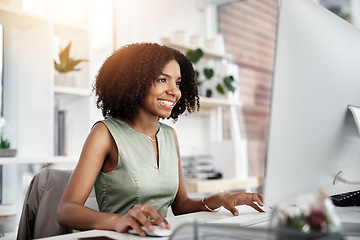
x=257 y=199
x=134 y=224
x=156 y=216
x=141 y=215
x=260 y=196
x=256 y=207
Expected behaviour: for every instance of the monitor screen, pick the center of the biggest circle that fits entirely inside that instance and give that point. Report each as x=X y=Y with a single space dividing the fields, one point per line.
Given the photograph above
x=312 y=134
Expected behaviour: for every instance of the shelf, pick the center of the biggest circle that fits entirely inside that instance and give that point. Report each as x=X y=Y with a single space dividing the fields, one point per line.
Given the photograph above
x=215 y=102
x=209 y=53
x=37 y=160
x=72 y=91
x=209 y=106
x=68 y=28
x=16 y=18
x=209 y=186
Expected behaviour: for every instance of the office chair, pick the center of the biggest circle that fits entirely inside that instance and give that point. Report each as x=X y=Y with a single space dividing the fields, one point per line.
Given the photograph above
x=38 y=218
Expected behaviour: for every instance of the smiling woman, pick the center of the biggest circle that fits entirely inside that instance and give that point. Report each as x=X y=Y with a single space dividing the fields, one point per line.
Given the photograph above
x=163 y=95
x=131 y=158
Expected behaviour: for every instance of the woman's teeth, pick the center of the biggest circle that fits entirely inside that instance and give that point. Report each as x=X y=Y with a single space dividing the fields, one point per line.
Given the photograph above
x=167 y=103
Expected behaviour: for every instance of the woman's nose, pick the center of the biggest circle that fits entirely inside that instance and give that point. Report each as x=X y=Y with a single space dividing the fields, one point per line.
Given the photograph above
x=174 y=89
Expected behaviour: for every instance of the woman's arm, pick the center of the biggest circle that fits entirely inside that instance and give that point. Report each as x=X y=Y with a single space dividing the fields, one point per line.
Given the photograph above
x=100 y=153
x=183 y=204
x=71 y=210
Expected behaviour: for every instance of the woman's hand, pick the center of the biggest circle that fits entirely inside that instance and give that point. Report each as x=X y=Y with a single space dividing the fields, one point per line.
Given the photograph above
x=139 y=216
x=230 y=200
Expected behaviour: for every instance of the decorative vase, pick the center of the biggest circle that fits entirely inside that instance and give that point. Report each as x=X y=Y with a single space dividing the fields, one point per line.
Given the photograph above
x=7 y=152
x=65 y=79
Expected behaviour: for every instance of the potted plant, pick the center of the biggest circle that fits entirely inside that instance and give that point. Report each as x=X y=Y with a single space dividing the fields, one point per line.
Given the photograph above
x=66 y=65
x=5 y=144
x=222 y=87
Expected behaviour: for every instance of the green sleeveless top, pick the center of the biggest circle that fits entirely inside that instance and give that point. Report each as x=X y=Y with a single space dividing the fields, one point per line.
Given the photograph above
x=137 y=179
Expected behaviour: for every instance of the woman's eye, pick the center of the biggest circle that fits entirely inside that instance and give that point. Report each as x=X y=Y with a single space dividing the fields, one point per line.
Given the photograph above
x=178 y=83
x=162 y=80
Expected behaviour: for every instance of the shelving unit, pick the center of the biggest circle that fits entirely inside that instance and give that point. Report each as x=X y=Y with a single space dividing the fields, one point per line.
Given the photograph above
x=212 y=107
x=17 y=18
x=210 y=186
x=70 y=29
x=209 y=106
x=37 y=160
x=208 y=53
x=71 y=91
x=32 y=43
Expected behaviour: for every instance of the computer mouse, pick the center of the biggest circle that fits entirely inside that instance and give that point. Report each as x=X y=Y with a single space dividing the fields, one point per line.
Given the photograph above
x=264 y=207
x=158 y=232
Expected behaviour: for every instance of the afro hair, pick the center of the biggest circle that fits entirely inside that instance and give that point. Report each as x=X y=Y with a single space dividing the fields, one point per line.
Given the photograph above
x=125 y=77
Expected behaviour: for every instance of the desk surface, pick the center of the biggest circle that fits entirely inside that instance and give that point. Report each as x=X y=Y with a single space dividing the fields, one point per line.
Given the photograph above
x=209 y=186
x=174 y=221
x=347 y=215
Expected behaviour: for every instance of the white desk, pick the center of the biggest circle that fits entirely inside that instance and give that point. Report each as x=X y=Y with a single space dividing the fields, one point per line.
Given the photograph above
x=174 y=221
x=348 y=214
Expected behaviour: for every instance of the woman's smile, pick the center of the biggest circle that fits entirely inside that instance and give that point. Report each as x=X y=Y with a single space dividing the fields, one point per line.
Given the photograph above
x=169 y=104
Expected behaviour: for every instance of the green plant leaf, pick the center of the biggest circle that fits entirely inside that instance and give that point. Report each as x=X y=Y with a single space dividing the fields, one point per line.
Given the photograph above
x=195 y=55
x=209 y=73
x=4 y=143
x=228 y=80
x=220 y=89
x=197 y=74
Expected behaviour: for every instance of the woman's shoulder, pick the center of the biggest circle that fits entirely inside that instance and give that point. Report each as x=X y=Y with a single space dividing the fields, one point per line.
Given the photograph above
x=111 y=121
x=99 y=134
x=167 y=128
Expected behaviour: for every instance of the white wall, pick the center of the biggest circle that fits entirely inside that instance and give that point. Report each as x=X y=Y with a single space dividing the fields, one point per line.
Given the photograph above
x=144 y=20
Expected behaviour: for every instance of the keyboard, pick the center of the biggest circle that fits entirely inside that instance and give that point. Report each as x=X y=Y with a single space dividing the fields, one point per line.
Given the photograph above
x=346 y=199
x=245 y=219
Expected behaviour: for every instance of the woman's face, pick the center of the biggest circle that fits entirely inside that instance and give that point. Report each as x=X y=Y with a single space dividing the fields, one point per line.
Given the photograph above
x=164 y=93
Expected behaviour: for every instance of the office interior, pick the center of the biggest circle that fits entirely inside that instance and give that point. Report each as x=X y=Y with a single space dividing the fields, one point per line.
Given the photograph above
x=46 y=118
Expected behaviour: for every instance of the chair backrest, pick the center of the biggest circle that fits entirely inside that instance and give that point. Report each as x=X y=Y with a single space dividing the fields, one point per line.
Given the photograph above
x=39 y=218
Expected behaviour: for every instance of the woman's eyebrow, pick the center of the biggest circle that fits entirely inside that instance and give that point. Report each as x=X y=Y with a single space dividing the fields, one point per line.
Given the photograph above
x=167 y=75
x=164 y=74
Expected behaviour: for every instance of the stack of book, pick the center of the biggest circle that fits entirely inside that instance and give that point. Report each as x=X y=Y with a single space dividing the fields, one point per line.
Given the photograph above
x=199 y=167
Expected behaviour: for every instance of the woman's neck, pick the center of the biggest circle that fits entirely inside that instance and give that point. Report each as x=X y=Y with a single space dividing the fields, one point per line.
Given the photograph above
x=147 y=126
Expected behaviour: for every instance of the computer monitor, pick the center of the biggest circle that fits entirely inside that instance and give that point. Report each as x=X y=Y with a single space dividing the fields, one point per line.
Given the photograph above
x=312 y=135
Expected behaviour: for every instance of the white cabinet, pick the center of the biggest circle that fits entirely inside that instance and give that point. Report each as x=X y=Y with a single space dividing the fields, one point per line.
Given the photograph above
x=31 y=44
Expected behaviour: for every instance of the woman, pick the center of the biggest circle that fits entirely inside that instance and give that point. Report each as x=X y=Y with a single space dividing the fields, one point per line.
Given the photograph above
x=132 y=159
